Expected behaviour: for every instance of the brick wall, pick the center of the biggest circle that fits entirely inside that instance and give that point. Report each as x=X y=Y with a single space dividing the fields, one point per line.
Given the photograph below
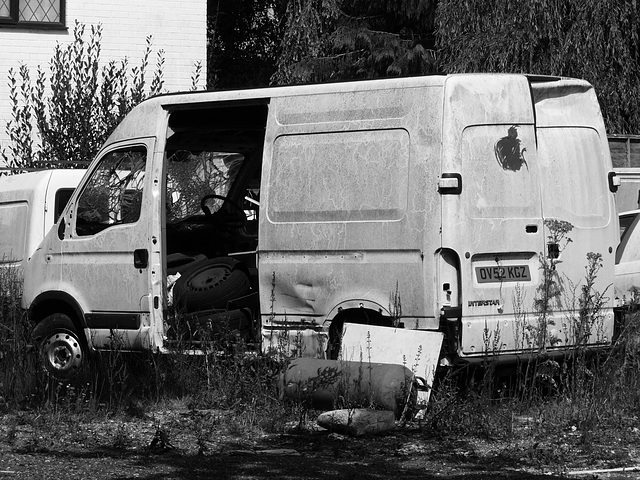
x=178 y=28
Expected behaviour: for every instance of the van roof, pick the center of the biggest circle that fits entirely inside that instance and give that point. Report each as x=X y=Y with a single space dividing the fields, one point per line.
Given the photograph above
x=138 y=123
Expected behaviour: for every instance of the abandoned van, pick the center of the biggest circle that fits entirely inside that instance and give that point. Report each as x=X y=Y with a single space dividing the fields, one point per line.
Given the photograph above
x=448 y=205
x=30 y=204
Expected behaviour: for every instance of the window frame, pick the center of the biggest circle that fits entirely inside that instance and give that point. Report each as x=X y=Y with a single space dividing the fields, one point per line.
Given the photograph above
x=98 y=227
x=13 y=20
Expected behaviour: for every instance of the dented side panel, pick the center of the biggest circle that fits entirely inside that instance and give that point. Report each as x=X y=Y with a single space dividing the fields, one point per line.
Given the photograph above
x=349 y=189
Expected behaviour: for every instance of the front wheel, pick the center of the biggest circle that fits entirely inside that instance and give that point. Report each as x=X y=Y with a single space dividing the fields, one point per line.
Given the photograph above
x=60 y=347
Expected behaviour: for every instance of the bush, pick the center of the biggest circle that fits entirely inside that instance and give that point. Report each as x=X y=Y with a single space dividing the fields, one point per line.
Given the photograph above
x=67 y=124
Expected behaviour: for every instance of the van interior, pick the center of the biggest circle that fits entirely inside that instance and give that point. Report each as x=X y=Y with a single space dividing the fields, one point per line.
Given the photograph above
x=212 y=198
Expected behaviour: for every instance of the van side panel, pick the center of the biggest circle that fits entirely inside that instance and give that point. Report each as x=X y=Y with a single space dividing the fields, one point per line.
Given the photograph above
x=13 y=231
x=349 y=187
x=29 y=190
x=34 y=195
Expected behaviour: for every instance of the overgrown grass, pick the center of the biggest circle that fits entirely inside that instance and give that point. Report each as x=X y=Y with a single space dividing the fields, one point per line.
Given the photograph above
x=577 y=388
x=581 y=391
x=18 y=384
x=583 y=394
x=240 y=383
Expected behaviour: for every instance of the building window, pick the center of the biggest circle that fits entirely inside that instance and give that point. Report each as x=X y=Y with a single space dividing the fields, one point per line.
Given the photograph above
x=32 y=13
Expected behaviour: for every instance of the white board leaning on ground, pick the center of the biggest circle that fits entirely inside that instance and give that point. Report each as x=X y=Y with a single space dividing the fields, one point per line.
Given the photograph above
x=417 y=350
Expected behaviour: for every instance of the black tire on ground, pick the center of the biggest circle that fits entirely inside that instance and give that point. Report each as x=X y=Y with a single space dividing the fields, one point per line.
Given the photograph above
x=179 y=262
x=61 y=349
x=210 y=284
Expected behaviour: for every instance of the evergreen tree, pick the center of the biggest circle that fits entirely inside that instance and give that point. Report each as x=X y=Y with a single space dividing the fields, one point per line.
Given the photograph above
x=338 y=39
x=592 y=39
x=244 y=40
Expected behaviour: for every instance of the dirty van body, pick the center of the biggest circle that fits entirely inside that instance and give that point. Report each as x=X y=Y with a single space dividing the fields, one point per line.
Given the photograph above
x=422 y=204
x=30 y=204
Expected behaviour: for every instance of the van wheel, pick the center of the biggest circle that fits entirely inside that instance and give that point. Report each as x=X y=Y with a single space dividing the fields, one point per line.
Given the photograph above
x=60 y=346
x=179 y=262
x=210 y=284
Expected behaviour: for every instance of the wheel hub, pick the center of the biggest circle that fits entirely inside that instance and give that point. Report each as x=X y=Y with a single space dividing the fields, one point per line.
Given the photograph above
x=62 y=353
x=209 y=279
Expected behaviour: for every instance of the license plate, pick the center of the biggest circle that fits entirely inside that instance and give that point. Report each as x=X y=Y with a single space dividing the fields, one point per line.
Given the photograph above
x=497 y=274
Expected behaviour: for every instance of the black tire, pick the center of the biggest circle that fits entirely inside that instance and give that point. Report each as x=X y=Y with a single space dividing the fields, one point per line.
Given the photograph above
x=179 y=262
x=61 y=350
x=210 y=284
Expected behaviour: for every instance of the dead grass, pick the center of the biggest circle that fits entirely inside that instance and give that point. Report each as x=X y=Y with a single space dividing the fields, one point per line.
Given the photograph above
x=551 y=412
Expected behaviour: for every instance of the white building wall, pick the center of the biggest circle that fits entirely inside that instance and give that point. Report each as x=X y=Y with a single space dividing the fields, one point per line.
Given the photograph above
x=178 y=28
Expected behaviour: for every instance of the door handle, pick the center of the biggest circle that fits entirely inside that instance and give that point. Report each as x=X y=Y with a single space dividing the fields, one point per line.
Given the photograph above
x=614 y=182
x=141 y=258
x=450 y=184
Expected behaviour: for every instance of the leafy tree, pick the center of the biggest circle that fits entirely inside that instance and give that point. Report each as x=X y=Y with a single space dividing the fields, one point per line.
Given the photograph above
x=244 y=40
x=339 y=39
x=591 y=39
x=66 y=124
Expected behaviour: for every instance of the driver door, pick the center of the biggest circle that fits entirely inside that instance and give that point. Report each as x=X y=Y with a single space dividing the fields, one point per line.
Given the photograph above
x=105 y=247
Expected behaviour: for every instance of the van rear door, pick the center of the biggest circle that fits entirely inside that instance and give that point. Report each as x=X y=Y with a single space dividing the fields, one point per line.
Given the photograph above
x=574 y=162
x=493 y=223
x=532 y=160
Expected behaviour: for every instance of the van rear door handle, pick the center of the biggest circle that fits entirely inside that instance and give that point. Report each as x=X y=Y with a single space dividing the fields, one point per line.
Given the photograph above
x=614 y=182
x=141 y=258
x=450 y=184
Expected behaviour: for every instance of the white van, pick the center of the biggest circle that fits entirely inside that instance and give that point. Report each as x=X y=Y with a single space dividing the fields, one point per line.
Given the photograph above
x=289 y=213
x=30 y=204
x=627 y=270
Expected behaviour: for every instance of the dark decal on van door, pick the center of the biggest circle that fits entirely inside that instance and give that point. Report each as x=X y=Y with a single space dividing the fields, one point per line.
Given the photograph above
x=508 y=152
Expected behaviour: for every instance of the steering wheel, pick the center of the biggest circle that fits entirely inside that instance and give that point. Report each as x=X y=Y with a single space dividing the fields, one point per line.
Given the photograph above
x=235 y=221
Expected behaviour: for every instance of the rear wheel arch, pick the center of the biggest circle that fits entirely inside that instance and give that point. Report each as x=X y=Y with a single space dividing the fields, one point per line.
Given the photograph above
x=358 y=311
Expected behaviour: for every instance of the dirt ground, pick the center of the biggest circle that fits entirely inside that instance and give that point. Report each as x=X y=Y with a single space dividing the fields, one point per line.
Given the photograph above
x=195 y=445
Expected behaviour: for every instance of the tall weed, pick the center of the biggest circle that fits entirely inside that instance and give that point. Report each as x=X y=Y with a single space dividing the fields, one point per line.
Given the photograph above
x=17 y=362
x=585 y=387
